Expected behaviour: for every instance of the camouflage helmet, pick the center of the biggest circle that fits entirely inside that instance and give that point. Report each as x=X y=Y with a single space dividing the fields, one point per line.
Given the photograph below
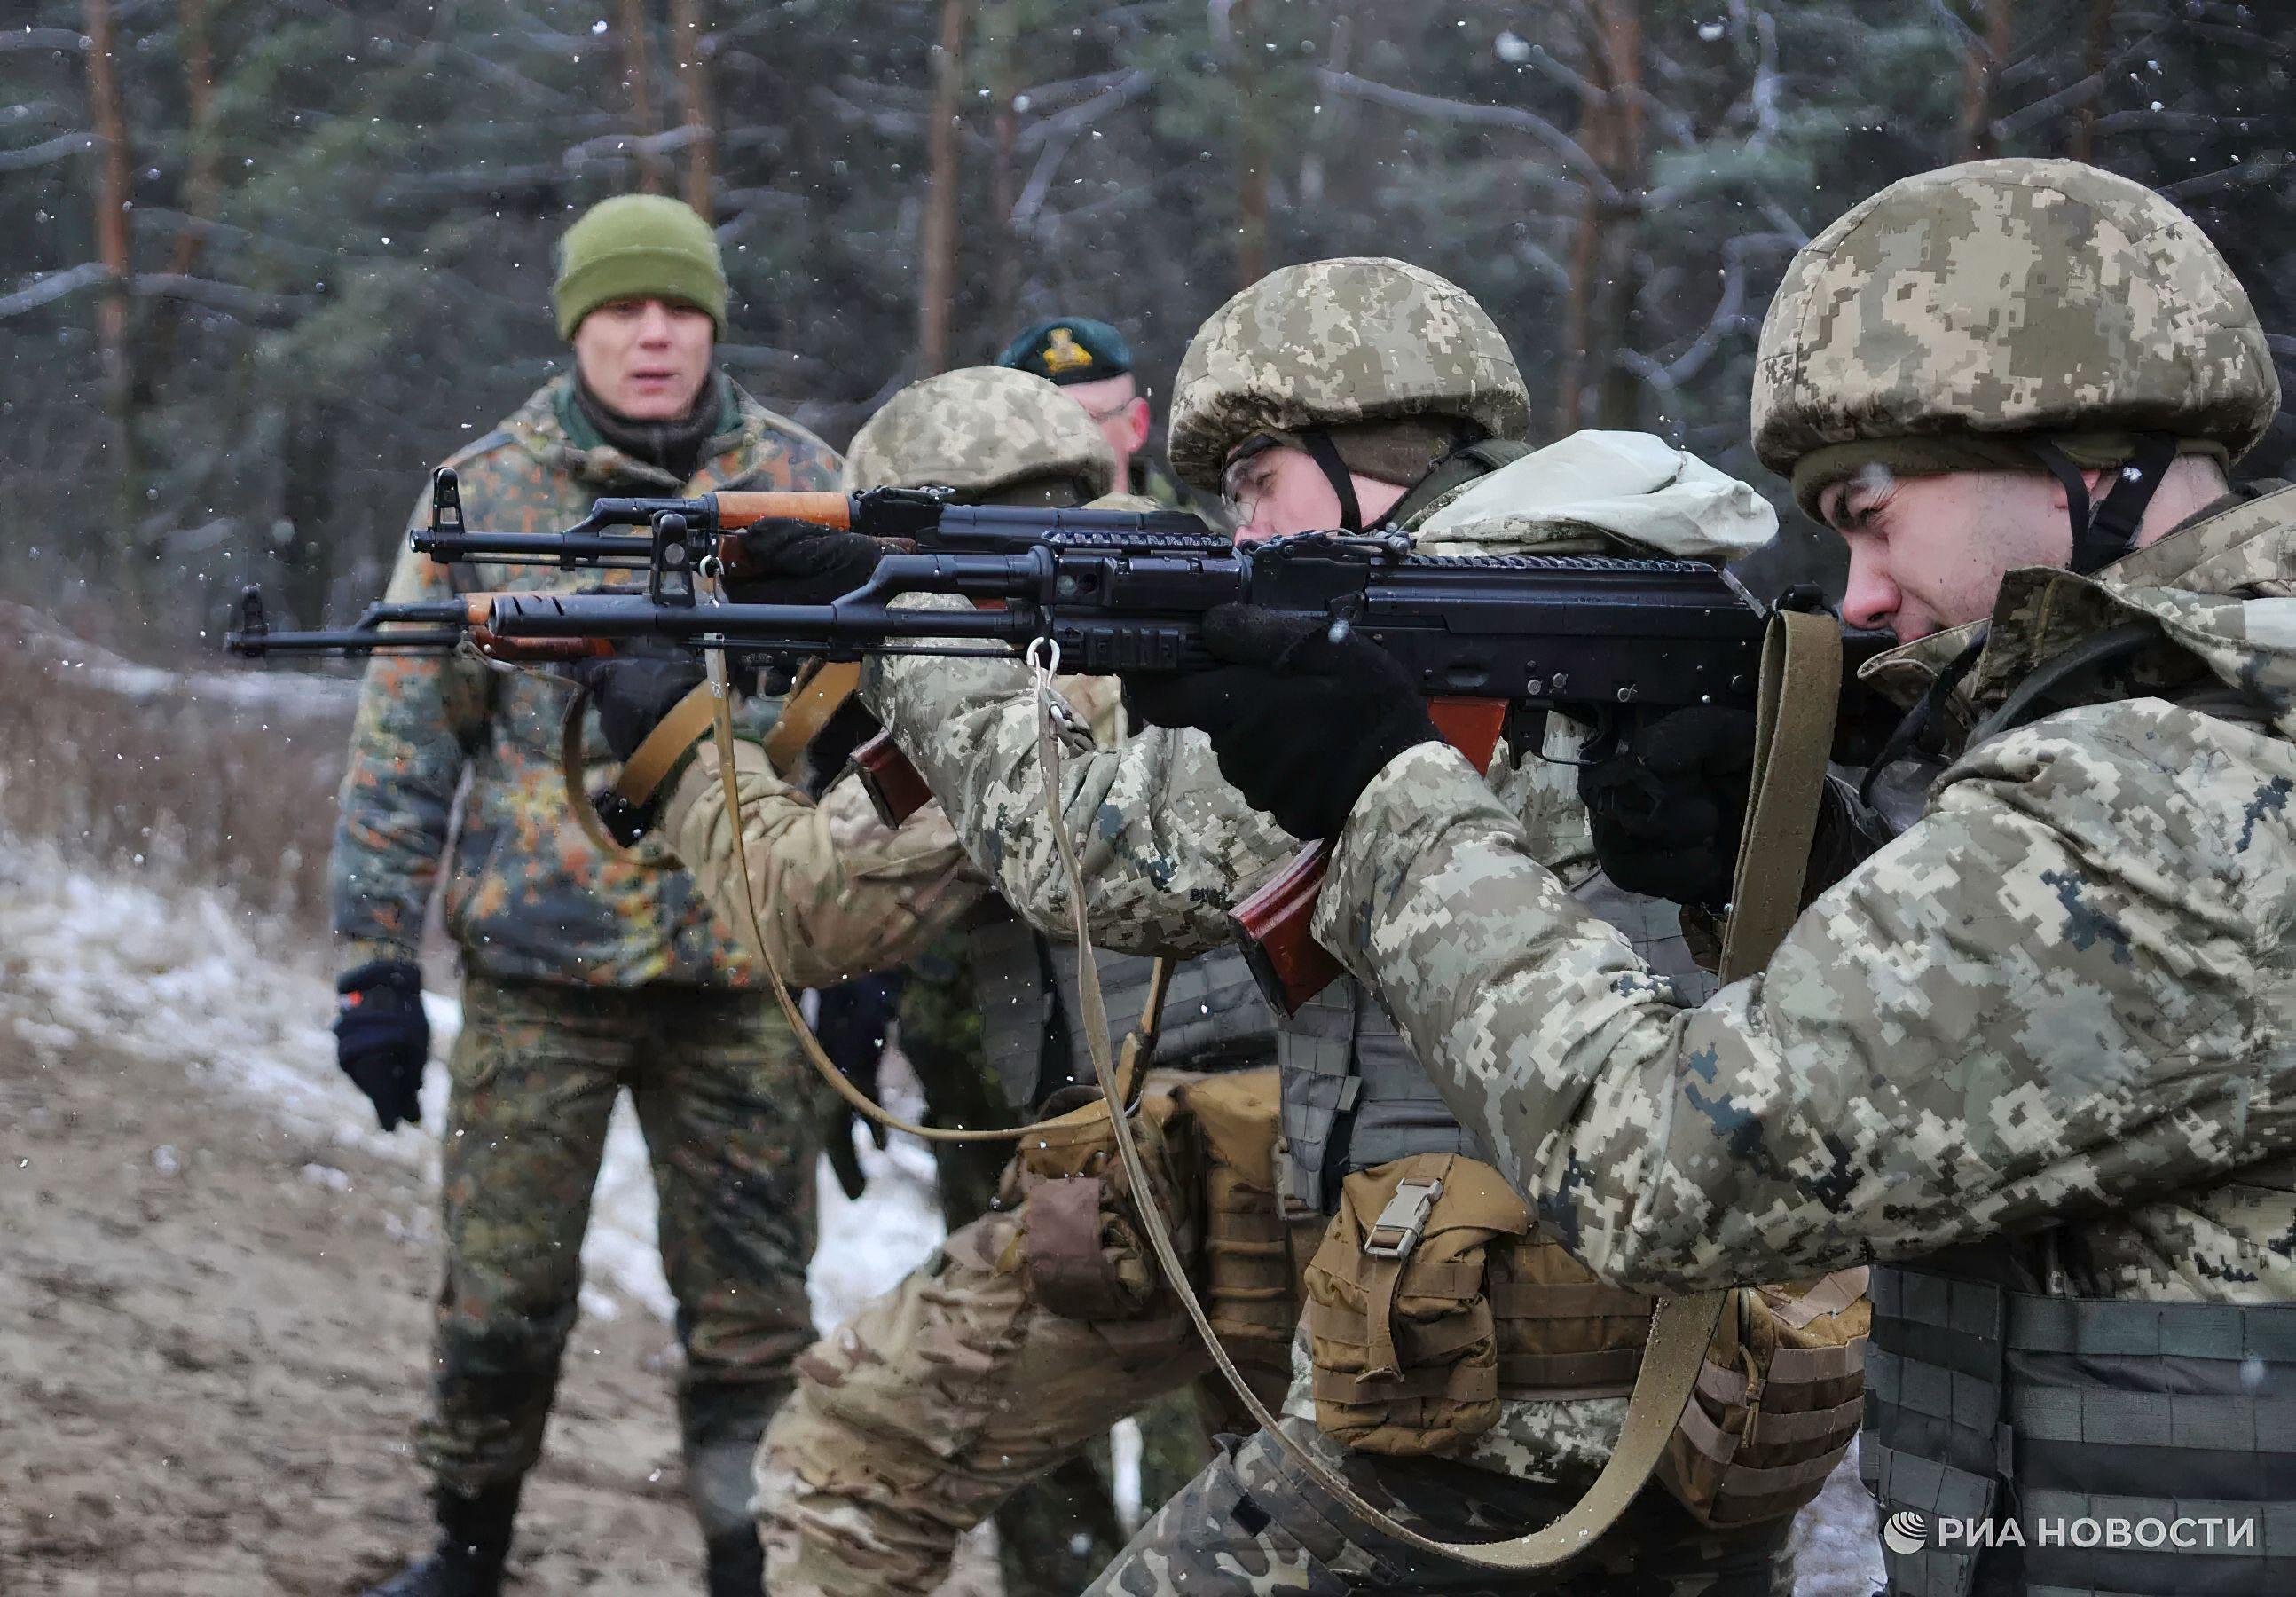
x=2004 y=298
x=1333 y=343
x=979 y=430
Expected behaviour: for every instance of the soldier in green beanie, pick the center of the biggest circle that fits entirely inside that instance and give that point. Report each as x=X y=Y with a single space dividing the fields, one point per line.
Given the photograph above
x=582 y=977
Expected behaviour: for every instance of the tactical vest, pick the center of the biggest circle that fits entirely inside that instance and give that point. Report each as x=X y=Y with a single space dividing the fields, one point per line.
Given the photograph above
x=1354 y=1096
x=1214 y=1019
x=2061 y=1425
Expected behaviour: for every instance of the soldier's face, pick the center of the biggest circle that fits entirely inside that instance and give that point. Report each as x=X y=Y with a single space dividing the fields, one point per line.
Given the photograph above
x=646 y=358
x=1929 y=552
x=1282 y=490
x=1116 y=408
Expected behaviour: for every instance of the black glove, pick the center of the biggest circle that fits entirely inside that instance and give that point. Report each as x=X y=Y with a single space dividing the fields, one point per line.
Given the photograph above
x=633 y=694
x=797 y=563
x=1300 y=723
x=381 y=1038
x=850 y=1025
x=1666 y=809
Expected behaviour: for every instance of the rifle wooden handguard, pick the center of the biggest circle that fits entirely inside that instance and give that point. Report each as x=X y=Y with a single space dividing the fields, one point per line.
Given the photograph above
x=739 y=509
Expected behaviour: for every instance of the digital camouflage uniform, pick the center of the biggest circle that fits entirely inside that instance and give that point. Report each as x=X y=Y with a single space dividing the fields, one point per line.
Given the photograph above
x=2036 y=1046
x=1168 y=847
x=583 y=977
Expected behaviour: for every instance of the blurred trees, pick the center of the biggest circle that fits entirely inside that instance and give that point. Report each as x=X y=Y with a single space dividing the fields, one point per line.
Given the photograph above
x=262 y=262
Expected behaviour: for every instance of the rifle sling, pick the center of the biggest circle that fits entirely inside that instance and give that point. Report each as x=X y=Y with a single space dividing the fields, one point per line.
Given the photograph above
x=642 y=775
x=712 y=702
x=1802 y=671
x=818 y=695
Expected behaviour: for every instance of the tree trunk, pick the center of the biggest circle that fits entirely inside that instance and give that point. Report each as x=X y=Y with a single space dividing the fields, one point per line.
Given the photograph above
x=637 y=76
x=686 y=30
x=1619 y=394
x=306 y=489
x=203 y=187
x=1578 y=299
x=2094 y=46
x=113 y=192
x=1251 y=153
x=1005 y=178
x=1980 y=69
x=936 y=282
x=1599 y=306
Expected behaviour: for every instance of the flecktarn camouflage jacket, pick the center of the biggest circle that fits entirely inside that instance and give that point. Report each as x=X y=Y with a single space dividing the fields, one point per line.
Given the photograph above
x=528 y=896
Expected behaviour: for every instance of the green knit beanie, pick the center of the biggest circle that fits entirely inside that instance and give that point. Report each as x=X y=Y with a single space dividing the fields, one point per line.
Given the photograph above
x=638 y=247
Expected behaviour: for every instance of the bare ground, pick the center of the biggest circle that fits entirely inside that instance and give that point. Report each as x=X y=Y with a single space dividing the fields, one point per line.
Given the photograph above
x=211 y=1335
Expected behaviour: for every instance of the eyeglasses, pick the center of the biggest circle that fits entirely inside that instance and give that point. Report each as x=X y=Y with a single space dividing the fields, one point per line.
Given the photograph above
x=1244 y=481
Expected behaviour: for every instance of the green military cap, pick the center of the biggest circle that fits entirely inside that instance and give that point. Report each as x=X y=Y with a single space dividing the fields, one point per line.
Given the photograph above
x=1069 y=349
x=638 y=247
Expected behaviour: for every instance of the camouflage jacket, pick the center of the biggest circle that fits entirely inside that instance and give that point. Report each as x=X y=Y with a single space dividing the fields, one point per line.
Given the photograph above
x=528 y=896
x=837 y=892
x=2064 y=992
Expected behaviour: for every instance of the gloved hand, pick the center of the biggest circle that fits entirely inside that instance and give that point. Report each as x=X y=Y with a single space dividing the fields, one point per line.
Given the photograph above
x=1300 y=723
x=797 y=563
x=382 y=1036
x=850 y=1024
x=635 y=692
x=1666 y=809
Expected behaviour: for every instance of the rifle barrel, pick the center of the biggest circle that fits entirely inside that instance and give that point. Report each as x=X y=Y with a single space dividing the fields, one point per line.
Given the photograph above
x=567 y=549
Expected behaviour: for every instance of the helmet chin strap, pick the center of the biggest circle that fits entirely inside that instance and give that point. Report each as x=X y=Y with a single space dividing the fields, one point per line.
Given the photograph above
x=1326 y=456
x=2110 y=532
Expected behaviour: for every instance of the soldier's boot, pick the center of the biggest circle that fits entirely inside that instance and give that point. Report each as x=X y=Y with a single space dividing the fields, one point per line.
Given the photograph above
x=473 y=1546
x=737 y=1564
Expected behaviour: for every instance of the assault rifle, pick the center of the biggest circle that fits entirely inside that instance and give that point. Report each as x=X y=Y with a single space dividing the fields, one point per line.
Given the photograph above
x=1607 y=640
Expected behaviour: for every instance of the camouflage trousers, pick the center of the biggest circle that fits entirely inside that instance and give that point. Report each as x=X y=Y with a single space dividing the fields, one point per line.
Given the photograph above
x=727 y=1113
x=1253 y=1523
x=920 y=1417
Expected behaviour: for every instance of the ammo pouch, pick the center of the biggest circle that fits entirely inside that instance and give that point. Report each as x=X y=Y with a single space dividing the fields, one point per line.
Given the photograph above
x=1480 y=1309
x=1404 y=1344
x=1250 y=1280
x=1778 y=1400
x=1080 y=1238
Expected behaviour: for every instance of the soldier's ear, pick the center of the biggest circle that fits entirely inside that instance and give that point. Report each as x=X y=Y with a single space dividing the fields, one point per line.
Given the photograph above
x=2095 y=479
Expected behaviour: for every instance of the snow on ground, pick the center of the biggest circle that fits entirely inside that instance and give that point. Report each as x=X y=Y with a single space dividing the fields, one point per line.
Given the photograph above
x=186 y=974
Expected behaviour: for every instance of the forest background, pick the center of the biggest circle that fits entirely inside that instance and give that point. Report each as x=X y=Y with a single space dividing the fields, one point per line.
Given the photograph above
x=264 y=262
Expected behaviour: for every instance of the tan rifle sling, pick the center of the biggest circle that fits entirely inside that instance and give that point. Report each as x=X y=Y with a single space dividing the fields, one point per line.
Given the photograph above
x=707 y=709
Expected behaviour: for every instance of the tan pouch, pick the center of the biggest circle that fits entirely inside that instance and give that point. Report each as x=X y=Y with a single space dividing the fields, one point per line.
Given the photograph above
x=1777 y=1403
x=1079 y=1237
x=1561 y=1333
x=1250 y=1283
x=1405 y=1349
